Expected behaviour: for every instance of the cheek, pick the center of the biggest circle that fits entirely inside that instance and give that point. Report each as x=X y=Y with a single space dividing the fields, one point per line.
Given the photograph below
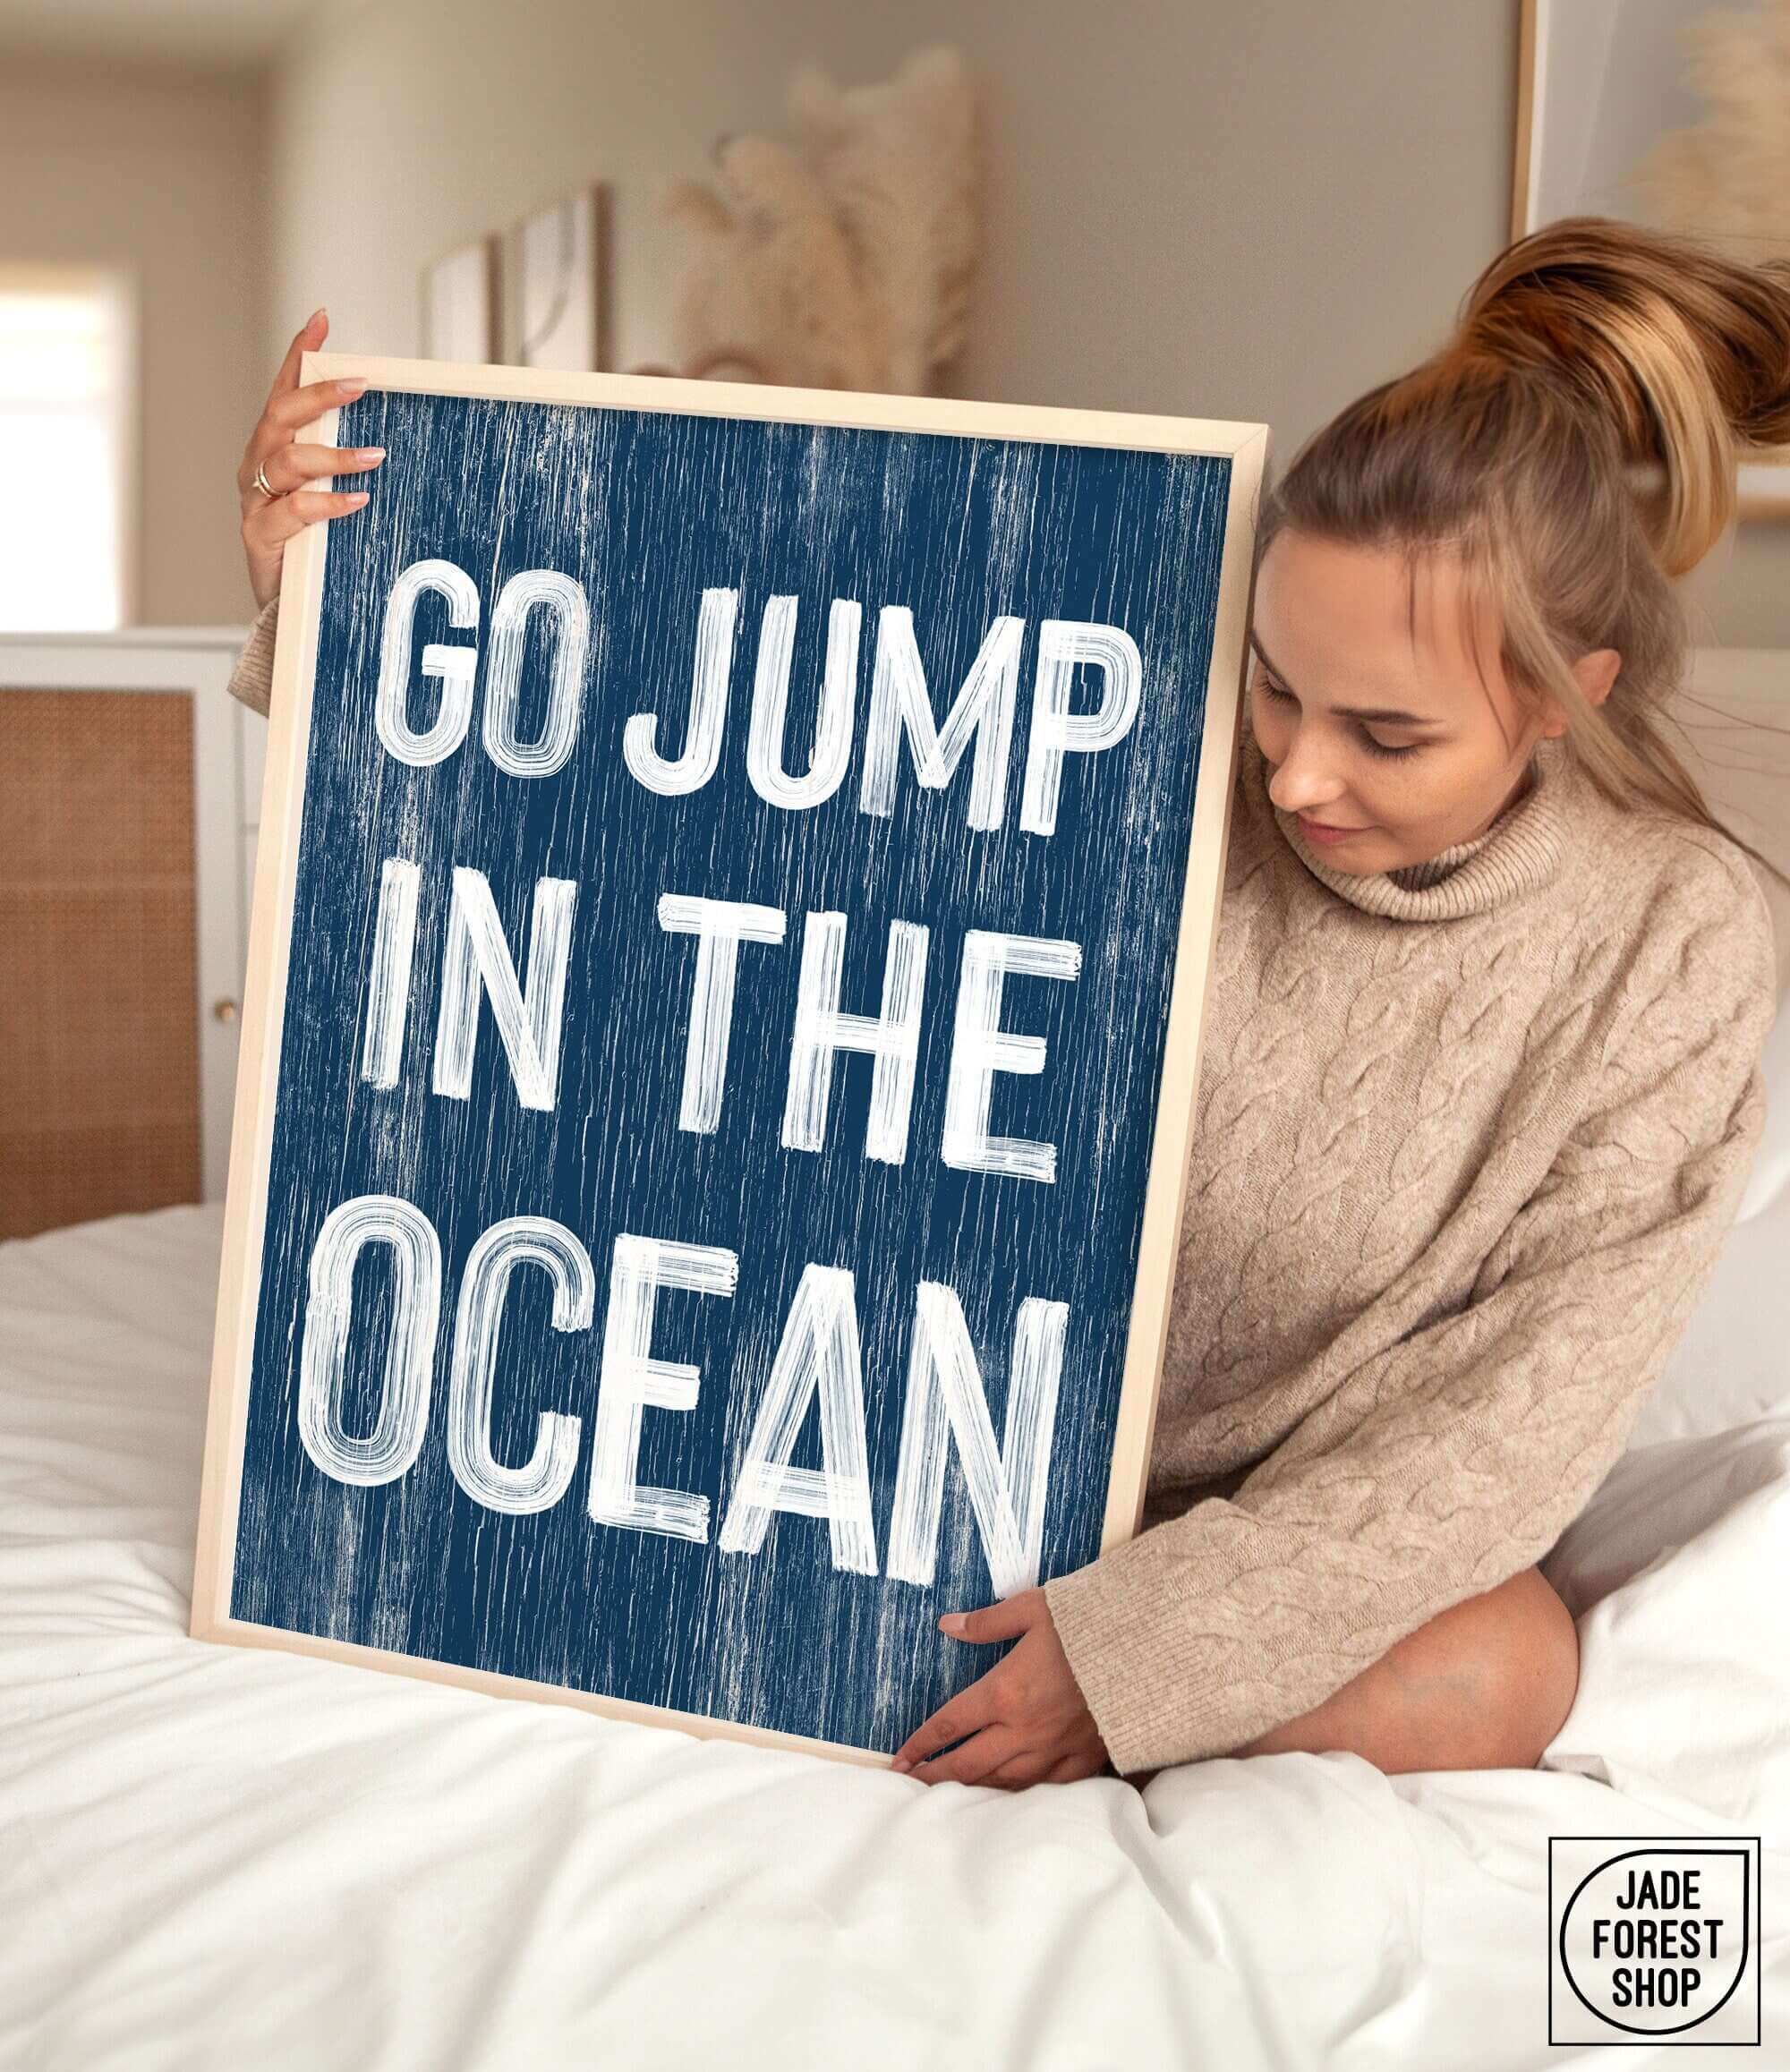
x=1391 y=794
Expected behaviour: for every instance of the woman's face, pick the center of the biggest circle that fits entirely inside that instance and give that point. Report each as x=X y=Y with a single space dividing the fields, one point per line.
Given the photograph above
x=1394 y=742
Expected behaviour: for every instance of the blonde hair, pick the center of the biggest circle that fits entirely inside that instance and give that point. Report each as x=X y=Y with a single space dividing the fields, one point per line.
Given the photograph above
x=1587 y=358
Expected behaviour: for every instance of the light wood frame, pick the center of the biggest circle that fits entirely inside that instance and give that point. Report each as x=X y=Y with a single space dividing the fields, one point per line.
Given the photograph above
x=269 y=933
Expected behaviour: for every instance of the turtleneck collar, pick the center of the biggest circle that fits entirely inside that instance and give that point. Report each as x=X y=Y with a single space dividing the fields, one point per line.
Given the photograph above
x=1520 y=851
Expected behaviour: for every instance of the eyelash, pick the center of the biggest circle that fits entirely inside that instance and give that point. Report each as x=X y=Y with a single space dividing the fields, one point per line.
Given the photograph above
x=1373 y=746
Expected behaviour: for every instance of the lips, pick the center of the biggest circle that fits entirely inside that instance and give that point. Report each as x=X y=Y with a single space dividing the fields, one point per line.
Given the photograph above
x=1324 y=827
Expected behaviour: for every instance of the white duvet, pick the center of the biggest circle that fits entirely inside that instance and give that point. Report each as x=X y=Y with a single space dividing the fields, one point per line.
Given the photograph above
x=234 y=1858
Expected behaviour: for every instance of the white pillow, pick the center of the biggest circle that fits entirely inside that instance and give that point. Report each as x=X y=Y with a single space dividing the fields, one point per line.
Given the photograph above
x=1734 y=1361
x=1771 y=1177
x=1674 y=1574
x=1735 y=711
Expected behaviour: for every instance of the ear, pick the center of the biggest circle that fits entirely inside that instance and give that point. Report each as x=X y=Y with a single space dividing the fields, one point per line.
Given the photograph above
x=1596 y=672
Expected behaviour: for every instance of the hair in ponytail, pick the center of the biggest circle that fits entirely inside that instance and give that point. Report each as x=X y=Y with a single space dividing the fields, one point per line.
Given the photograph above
x=1574 y=446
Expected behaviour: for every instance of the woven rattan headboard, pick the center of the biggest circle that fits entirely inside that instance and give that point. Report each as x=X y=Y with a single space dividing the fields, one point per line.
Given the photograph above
x=99 y=1040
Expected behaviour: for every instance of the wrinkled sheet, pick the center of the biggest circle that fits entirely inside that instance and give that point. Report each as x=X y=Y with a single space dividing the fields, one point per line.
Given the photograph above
x=224 y=1857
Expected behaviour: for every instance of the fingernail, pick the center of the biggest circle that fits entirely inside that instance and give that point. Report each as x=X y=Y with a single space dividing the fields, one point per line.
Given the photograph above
x=901 y=1762
x=357 y=497
x=318 y=311
x=353 y=385
x=950 y=1621
x=371 y=453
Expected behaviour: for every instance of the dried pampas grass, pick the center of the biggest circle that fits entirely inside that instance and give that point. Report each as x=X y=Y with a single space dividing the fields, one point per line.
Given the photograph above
x=846 y=259
x=1727 y=178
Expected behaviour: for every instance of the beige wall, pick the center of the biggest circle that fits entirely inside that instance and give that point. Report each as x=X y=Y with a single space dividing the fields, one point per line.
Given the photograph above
x=1251 y=212
x=163 y=176
x=1231 y=212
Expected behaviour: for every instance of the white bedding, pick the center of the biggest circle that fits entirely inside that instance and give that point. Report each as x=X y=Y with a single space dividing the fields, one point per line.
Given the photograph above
x=230 y=1858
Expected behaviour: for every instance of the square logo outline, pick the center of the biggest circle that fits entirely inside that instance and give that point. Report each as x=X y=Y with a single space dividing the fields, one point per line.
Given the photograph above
x=1752 y=1848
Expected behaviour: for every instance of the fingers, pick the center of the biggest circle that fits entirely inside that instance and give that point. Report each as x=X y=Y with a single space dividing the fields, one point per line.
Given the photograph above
x=976 y=1759
x=997 y=1622
x=307 y=338
x=979 y=1705
x=974 y=1708
x=980 y=1760
x=1044 y=1766
x=268 y=521
x=285 y=415
x=1030 y=1765
x=290 y=466
x=277 y=522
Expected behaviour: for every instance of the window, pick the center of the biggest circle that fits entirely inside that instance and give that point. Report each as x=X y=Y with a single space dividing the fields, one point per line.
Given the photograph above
x=65 y=458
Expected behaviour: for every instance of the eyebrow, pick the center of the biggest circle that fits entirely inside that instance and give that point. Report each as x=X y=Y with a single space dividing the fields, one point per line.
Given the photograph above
x=1389 y=715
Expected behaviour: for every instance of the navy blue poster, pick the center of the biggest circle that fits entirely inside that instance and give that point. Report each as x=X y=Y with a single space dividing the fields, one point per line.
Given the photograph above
x=738 y=889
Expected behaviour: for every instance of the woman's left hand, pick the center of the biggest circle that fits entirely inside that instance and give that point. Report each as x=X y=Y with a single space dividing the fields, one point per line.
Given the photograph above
x=1026 y=1719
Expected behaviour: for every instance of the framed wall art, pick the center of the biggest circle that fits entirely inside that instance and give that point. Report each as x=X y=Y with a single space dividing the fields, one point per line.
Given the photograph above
x=553 y=270
x=459 y=318
x=738 y=873
x=1650 y=111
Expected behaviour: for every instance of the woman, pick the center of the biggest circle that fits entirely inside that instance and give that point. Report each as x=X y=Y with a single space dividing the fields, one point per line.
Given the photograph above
x=1479 y=1084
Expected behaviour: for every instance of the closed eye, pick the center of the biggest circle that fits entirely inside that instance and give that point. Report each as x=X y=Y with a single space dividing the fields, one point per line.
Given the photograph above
x=1374 y=746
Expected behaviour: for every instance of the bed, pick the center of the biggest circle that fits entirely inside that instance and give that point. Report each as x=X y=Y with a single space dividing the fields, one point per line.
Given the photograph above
x=218 y=1857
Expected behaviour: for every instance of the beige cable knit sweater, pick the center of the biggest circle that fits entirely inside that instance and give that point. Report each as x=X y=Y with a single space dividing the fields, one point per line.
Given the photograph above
x=1469 y=1136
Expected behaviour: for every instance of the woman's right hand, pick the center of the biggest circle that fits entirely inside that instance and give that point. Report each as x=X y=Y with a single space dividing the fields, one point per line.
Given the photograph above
x=269 y=522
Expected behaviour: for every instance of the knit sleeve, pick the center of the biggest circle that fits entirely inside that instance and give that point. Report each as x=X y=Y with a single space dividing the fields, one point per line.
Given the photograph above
x=252 y=679
x=1457 y=1455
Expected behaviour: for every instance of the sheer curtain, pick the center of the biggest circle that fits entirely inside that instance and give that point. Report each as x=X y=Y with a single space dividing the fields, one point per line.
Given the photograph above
x=66 y=427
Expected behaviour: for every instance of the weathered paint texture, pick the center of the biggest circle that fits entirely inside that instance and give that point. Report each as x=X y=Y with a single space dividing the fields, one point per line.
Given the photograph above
x=654 y=1156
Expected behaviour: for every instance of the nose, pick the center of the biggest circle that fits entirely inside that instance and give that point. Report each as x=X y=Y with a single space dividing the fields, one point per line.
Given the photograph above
x=1298 y=783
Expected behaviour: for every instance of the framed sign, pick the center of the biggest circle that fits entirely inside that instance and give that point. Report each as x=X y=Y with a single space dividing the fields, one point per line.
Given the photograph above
x=738 y=872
